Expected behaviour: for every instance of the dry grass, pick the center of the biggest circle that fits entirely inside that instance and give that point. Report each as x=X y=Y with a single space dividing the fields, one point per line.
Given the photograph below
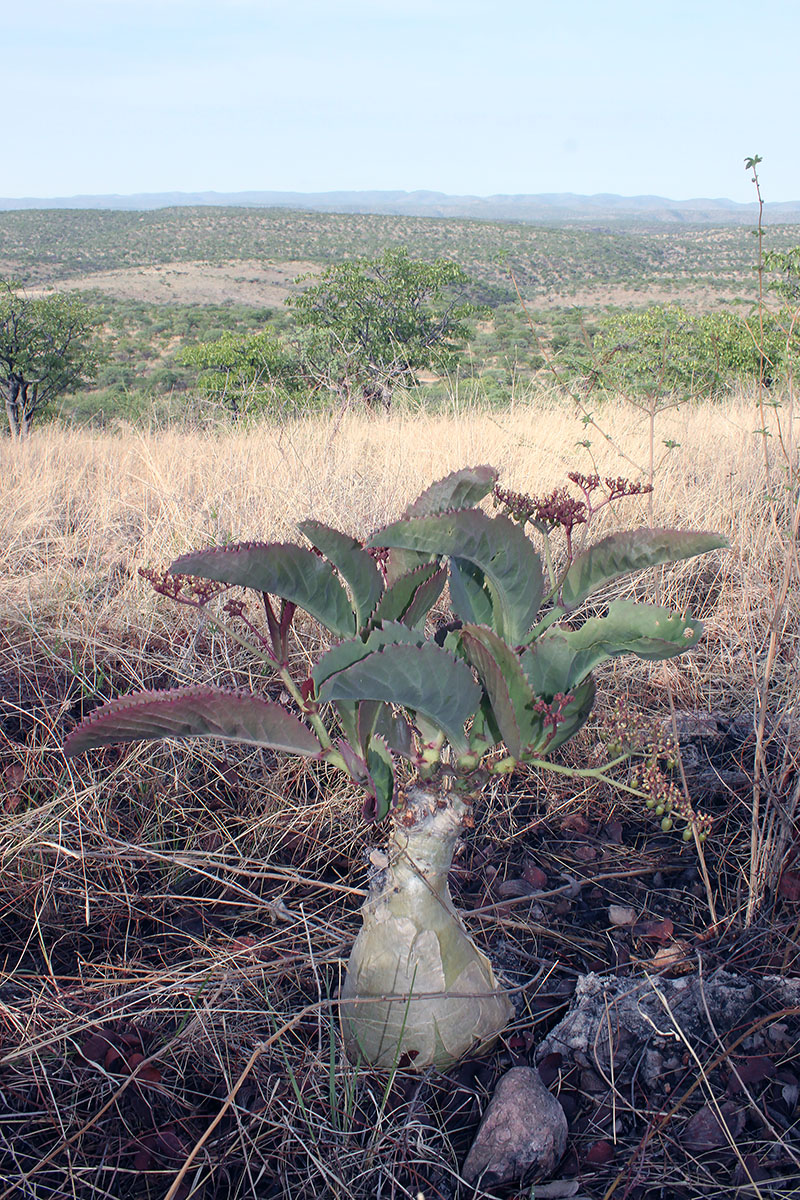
x=174 y=920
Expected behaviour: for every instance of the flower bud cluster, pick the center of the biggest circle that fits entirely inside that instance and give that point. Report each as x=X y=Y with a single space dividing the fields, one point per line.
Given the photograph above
x=559 y=508
x=626 y=732
x=380 y=555
x=615 y=488
x=184 y=589
x=553 y=713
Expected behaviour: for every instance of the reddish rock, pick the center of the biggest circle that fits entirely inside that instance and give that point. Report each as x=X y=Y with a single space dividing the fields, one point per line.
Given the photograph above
x=523 y=1131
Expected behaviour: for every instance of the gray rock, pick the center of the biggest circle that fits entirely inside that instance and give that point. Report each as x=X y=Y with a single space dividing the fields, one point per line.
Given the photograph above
x=621 y=1026
x=523 y=1130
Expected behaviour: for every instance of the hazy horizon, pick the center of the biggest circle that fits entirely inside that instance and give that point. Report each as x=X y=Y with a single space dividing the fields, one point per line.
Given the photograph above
x=401 y=191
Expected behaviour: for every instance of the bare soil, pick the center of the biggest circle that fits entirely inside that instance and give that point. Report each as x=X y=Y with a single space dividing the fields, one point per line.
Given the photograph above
x=248 y=282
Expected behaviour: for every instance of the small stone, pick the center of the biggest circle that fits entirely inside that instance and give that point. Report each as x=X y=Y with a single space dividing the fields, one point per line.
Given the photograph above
x=705 y=1131
x=523 y=1130
x=621 y=914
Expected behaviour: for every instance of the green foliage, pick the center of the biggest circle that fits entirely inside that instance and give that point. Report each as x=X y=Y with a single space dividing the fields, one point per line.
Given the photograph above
x=241 y=368
x=47 y=345
x=651 y=353
x=288 y=571
x=372 y=323
x=392 y=688
x=664 y=353
x=623 y=553
x=557 y=259
x=786 y=265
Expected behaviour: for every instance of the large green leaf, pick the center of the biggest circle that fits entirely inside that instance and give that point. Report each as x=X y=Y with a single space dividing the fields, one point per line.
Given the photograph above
x=234 y=716
x=424 y=599
x=548 y=664
x=403 y=562
x=645 y=630
x=368 y=713
x=346 y=653
x=400 y=600
x=621 y=553
x=423 y=678
x=508 y=690
x=485 y=731
x=284 y=570
x=395 y=730
x=495 y=545
x=460 y=489
x=356 y=567
x=469 y=595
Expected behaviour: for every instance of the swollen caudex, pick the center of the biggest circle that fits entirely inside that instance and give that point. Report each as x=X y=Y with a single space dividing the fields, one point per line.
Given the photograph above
x=417 y=987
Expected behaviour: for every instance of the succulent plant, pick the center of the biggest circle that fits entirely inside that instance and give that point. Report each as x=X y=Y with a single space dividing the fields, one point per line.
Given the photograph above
x=507 y=681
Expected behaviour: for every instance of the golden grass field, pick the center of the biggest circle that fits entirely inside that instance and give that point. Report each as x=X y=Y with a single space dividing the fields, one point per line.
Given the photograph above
x=199 y=903
x=83 y=511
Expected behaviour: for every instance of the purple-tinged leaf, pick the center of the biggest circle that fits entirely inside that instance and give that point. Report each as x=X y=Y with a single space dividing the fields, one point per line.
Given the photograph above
x=548 y=663
x=469 y=595
x=279 y=569
x=381 y=773
x=508 y=690
x=460 y=489
x=646 y=630
x=403 y=562
x=400 y=596
x=346 y=653
x=396 y=732
x=368 y=712
x=188 y=712
x=424 y=599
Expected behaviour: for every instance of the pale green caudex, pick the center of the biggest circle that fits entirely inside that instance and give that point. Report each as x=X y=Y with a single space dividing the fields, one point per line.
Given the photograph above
x=507 y=681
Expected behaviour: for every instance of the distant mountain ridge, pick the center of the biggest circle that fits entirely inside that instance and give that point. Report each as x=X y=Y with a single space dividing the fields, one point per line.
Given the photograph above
x=546 y=207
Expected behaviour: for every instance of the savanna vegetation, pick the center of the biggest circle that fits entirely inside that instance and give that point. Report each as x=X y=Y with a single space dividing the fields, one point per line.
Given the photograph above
x=168 y=285
x=177 y=915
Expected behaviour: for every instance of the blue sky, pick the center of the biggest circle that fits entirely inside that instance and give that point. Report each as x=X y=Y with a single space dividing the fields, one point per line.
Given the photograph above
x=460 y=96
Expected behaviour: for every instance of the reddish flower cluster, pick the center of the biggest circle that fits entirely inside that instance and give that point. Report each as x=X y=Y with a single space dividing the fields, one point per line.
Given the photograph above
x=615 y=488
x=518 y=505
x=380 y=554
x=184 y=589
x=553 y=713
x=559 y=508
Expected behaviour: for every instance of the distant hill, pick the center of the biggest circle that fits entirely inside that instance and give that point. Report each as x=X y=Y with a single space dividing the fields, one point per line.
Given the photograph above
x=545 y=208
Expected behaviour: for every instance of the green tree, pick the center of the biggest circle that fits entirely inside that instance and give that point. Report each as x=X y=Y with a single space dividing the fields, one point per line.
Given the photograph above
x=370 y=324
x=238 y=369
x=47 y=345
x=668 y=353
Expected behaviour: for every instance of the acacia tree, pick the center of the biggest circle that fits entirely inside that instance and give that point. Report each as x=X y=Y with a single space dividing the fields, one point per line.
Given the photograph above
x=46 y=347
x=370 y=324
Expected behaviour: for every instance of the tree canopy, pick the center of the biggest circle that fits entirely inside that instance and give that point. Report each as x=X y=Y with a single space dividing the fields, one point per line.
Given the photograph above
x=236 y=369
x=47 y=346
x=370 y=324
